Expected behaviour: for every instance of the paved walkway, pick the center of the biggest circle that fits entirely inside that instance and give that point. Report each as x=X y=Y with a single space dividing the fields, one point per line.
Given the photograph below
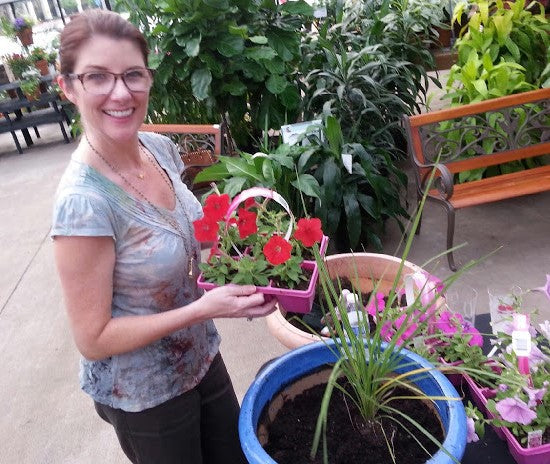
x=45 y=418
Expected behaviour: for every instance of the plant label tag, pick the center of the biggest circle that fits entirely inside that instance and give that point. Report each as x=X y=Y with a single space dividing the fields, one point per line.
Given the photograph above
x=320 y=12
x=347 y=160
x=534 y=439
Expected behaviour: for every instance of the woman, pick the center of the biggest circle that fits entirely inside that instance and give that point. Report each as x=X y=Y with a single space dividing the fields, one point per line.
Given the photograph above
x=127 y=260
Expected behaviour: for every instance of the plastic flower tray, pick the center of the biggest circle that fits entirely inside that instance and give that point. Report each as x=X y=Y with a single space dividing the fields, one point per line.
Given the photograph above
x=536 y=455
x=296 y=301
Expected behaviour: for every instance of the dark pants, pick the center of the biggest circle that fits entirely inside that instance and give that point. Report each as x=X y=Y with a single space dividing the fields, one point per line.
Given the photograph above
x=197 y=427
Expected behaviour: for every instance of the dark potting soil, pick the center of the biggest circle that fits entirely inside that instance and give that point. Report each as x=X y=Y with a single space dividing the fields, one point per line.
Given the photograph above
x=349 y=438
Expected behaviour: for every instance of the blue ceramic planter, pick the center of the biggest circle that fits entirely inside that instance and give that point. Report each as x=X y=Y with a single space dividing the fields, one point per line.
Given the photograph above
x=300 y=362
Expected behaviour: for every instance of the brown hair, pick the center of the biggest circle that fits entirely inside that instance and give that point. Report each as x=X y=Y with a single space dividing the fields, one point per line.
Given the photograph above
x=85 y=25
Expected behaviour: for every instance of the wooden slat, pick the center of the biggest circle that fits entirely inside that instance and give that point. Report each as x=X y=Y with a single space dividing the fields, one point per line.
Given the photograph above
x=500 y=187
x=481 y=161
x=481 y=107
x=214 y=129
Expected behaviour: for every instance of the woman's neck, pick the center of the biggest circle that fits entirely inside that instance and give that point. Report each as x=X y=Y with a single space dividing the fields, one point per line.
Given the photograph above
x=125 y=155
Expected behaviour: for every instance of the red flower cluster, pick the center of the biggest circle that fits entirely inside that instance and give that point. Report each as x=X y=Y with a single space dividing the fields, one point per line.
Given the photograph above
x=277 y=250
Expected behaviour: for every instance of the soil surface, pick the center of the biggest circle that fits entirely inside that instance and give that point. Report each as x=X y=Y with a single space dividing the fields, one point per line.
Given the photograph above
x=349 y=438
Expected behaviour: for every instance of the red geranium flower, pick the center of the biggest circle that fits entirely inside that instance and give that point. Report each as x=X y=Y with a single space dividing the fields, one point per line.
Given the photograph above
x=277 y=250
x=246 y=223
x=206 y=229
x=309 y=231
x=216 y=206
x=249 y=203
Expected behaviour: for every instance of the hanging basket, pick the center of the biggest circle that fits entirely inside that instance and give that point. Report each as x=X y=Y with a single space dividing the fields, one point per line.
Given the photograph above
x=299 y=301
x=25 y=36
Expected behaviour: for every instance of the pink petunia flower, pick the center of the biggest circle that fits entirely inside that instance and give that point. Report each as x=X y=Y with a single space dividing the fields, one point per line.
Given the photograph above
x=411 y=328
x=536 y=395
x=515 y=410
x=469 y=329
x=448 y=321
x=472 y=435
x=376 y=304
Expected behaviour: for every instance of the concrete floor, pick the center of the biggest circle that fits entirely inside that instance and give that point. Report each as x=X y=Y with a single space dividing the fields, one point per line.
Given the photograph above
x=45 y=418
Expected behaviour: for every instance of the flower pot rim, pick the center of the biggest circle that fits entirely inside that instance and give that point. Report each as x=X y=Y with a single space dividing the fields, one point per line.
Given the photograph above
x=291 y=365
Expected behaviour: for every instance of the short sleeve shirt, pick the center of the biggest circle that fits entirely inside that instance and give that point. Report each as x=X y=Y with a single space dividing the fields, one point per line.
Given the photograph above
x=151 y=275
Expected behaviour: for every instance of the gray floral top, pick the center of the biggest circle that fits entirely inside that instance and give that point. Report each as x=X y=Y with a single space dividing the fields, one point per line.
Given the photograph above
x=150 y=276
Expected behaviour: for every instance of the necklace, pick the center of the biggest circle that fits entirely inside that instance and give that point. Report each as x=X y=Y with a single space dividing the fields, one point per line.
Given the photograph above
x=191 y=255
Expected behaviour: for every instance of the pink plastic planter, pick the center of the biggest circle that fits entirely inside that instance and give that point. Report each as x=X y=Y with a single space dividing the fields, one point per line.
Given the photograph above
x=299 y=301
x=537 y=455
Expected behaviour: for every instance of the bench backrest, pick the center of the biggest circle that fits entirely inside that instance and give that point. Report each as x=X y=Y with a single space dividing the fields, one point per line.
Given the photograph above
x=190 y=138
x=482 y=134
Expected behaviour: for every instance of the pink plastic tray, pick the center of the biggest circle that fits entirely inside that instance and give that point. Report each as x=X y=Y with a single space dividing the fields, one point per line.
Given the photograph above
x=296 y=301
x=538 y=455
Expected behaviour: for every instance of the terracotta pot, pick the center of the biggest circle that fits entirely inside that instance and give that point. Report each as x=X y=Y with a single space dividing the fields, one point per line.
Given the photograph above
x=362 y=269
x=33 y=96
x=25 y=36
x=42 y=66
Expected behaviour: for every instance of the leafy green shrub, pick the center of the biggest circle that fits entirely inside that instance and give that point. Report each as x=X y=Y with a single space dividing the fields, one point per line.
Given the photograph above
x=216 y=58
x=503 y=50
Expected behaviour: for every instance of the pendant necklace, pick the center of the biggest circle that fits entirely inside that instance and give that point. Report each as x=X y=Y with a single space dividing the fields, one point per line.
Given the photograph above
x=188 y=246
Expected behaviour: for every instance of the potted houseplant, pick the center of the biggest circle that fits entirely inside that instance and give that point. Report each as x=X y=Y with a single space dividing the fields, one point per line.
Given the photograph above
x=259 y=246
x=375 y=366
x=18 y=64
x=373 y=369
x=39 y=57
x=30 y=84
x=21 y=27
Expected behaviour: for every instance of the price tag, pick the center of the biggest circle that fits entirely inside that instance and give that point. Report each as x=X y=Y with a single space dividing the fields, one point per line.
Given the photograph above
x=534 y=438
x=320 y=12
x=347 y=160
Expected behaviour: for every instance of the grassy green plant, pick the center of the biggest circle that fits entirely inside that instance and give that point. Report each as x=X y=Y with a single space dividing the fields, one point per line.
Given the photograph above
x=366 y=363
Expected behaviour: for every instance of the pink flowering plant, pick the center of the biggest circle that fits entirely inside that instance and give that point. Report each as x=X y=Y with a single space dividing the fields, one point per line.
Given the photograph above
x=521 y=399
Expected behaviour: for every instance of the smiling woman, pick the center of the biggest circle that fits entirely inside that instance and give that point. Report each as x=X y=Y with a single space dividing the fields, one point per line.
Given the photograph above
x=127 y=260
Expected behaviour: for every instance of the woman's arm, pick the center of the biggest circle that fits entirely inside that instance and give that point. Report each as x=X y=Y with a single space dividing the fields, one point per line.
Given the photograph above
x=85 y=266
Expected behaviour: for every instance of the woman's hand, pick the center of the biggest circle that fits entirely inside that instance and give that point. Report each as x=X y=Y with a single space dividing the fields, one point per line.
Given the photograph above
x=236 y=301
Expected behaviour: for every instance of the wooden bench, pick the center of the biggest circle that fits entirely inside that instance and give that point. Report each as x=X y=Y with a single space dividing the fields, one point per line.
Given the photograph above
x=199 y=145
x=480 y=135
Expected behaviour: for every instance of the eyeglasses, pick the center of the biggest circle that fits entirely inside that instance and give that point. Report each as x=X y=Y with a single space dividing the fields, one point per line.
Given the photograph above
x=103 y=82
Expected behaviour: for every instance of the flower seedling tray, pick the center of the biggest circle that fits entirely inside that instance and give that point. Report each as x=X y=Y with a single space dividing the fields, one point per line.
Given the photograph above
x=536 y=455
x=297 y=301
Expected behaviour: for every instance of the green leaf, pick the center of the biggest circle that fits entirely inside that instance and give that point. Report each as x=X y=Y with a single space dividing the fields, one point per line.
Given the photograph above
x=334 y=135
x=230 y=45
x=275 y=66
x=155 y=59
x=192 y=46
x=353 y=218
x=308 y=184
x=290 y=97
x=235 y=87
x=297 y=8
x=260 y=53
x=258 y=39
x=200 y=83
x=267 y=171
x=234 y=185
x=241 y=31
x=217 y=4
x=512 y=48
x=286 y=44
x=212 y=173
x=276 y=84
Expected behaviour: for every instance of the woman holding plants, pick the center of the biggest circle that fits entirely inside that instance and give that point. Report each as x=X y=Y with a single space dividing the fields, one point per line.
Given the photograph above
x=127 y=260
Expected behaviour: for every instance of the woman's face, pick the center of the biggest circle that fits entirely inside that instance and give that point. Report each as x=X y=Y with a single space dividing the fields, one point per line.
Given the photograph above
x=118 y=115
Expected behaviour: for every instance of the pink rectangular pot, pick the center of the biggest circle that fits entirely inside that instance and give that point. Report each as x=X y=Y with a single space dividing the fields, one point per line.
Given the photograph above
x=537 y=455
